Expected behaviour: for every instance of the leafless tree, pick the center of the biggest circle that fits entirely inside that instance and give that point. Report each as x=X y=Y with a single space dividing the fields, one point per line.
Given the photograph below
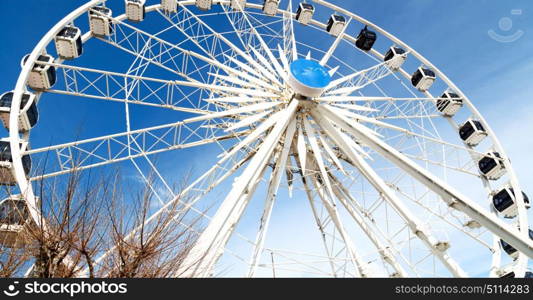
x=87 y=217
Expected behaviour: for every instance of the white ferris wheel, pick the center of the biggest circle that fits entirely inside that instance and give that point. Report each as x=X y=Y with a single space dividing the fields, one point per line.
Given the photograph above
x=328 y=146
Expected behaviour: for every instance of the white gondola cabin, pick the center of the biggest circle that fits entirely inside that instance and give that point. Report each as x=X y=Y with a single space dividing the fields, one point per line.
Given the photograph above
x=7 y=172
x=504 y=201
x=204 y=4
x=366 y=39
x=491 y=166
x=68 y=43
x=510 y=250
x=395 y=58
x=270 y=7
x=509 y=272
x=472 y=132
x=449 y=103
x=135 y=10
x=336 y=25
x=423 y=79
x=14 y=219
x=305 y=13
x=236 y=4
x=100 y=22
x=169 y=6
x=28 y=113
x=42 y=76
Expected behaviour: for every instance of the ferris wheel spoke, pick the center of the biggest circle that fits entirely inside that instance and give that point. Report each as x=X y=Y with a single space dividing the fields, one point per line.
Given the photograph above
x=444 y=218
x=104 y=150
x=111 y=85
x=411 y=134
x=384 y=250
x=210 y=39
x=317 y=157
x=273 y=186
x=258 y=107
x=114 y=86
x=332 y=259
x=351 y=83
x=283 y=59
x=468 y=168
x=187 y=63
x=289 y=46
x=412 y=221
x=447 y=193
x=392 y=248
x=333 y=157
x=362 y=118
x=234 y=81
x=257 y=69
x=265 y=67
x=331 y=208
x=148 y=47
x=206 y=251
x=327 y=232
x=251 y=74
x=249 y=59
x=335 y=44
x=254 y=135
x=265 y=62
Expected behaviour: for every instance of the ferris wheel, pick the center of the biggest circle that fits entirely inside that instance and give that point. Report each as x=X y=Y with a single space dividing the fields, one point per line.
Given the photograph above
x=328 y=146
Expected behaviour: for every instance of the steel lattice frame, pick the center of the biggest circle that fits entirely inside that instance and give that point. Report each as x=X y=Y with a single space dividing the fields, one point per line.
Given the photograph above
x=315 y=142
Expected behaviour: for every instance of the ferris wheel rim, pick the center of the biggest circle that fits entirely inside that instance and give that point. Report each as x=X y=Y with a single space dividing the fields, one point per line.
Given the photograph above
x=25 y=186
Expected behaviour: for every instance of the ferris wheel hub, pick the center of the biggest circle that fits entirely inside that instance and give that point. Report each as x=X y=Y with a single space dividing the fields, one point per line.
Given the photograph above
x=308 y=78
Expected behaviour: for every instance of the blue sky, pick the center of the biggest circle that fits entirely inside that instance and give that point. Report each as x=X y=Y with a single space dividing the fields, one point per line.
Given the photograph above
x=452 y=34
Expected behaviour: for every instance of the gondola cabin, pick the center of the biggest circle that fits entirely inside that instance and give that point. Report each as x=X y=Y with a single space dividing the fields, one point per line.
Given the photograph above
x=510 y=250
x=491 y=166
x=237 y=4
x=472 y=132
x=504 y=201
x=100 y=22
x=68 y=43
x=28 y=113
x=366 y=39
x=7 y=173
x=395 y=58
x=423 y=79
x=305 y=13
x=528 y=274
x=270 y=7
x=43 y=75
x=336 y=25
x=14 y=219
x=449 y=103
x=136 y=10
x=169 y=6
x=507 y=272
x=204 y=4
